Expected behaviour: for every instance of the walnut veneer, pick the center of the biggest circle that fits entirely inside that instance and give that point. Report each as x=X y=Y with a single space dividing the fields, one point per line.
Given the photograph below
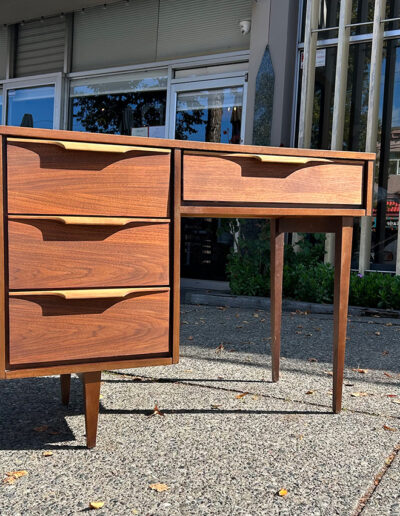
x=90 y=242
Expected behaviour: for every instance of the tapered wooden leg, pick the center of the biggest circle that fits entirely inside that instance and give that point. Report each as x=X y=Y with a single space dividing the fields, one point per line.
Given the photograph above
x=277 y=241
x=343 y=242
x=91 y=391
x=65 y=381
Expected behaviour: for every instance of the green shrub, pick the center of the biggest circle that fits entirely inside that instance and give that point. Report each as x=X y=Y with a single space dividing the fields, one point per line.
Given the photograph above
x=306 y=277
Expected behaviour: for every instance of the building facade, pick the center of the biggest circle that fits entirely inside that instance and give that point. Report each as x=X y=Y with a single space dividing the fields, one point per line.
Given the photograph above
x=268 y=72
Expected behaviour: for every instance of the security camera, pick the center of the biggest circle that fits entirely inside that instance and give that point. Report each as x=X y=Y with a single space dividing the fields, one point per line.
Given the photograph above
x=245 y=27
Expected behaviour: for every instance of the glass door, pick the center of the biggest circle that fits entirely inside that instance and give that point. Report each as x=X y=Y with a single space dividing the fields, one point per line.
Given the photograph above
x=33 y=103
x=207 y=111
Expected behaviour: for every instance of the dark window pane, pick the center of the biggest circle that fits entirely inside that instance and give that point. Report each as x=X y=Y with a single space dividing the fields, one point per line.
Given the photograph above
x=118 y=113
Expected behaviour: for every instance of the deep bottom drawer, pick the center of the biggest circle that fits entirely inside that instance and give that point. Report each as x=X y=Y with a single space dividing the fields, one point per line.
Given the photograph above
x=46 y=329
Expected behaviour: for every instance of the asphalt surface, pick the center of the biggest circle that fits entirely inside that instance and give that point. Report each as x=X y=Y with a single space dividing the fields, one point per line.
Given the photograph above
x=219 y=453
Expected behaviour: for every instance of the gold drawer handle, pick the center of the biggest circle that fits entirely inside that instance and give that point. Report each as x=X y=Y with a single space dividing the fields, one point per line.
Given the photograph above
x=92 y=147
x=89 y=294
x=88 y=221
x=264 y=158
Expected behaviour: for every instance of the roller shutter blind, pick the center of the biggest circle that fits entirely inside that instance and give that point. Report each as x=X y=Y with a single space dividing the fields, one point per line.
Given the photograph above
x=145 y=31
x=121 y=34
x=192 y=27
x=3 y=52
x=40 y=47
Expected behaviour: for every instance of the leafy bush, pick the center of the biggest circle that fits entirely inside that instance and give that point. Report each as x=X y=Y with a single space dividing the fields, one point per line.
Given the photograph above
x=306 y=277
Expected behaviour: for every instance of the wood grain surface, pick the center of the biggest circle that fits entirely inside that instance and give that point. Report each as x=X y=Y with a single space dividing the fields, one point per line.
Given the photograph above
x=51 y=329
x=176 y=144
x=48 y=180
x=209 y=178
x=45 y=254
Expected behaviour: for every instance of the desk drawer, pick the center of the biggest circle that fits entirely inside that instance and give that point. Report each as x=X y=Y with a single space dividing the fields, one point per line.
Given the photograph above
x=64 y=326
x=83 y=252
x=242 y=179
x=45 y=178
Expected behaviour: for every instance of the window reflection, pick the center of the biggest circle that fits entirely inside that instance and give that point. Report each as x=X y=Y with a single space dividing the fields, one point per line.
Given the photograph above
x=210 y=115
x=31 y=107
x=119 y=104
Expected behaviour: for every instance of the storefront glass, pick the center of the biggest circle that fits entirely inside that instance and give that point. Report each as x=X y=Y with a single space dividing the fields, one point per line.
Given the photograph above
x=132 y=104
x=31 y=107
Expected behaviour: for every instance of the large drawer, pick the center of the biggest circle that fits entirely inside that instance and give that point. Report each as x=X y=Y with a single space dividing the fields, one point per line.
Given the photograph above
x=271 y=179
x=62 y=327
x=46 y=178
x=82 y=252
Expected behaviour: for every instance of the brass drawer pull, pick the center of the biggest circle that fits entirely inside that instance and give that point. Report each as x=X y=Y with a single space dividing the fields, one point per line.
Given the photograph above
x=92 y=147
x=264 y=158
x=89 y=221
x=89 y=294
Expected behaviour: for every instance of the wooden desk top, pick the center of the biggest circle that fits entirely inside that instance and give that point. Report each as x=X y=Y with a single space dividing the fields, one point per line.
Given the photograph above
x=50 y=134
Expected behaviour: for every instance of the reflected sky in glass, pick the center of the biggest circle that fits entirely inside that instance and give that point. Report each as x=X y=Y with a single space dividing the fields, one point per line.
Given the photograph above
x=31 y=107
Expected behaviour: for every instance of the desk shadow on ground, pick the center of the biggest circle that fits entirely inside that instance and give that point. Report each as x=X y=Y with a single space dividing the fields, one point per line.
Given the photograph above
x=35 y=403
x=371 y=344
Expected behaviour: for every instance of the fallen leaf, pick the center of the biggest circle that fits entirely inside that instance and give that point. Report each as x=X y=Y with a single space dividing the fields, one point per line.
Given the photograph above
x=389 y=428
x=310 y=392
x=190 y=338
x=47 y=453
x=159 y=487
x=156 y=411
x=101 y=397
x=220 y=348
x=256 y=315
x=377 y=333
x=12 y=476
x=242 y=395
x=396 y=401
x=255 y=397
x=135 y=511
x=282 y=492
x=299 y=326
x=358 y=394
x=389 y=324
x=330 y=373
x=308 y=334
x=312 y=360
x=388 y=374
x=391 y=395
x=362 y=371
x=42 y=428
x=386 y=352
x=215 y=406
x=96 y=505
x=222 y=308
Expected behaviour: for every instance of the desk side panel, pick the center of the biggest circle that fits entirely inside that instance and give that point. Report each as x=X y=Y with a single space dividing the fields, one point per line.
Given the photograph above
x=3 y=271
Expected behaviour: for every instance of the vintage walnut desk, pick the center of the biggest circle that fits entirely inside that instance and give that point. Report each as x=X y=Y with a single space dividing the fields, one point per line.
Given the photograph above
x=90 y=242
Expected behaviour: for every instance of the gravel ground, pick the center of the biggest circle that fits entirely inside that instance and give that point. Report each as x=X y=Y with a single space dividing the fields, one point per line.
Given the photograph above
x=217 y=453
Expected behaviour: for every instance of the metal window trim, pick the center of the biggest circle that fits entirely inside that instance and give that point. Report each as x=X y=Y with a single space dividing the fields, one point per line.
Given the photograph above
x=56 y=79
x=357 y=38
x=187 y=62
x=223 y=75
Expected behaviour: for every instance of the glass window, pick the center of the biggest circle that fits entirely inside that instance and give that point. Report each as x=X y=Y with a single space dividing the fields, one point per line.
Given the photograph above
x=119 y=104
x=213 y=115
x=31 y=107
